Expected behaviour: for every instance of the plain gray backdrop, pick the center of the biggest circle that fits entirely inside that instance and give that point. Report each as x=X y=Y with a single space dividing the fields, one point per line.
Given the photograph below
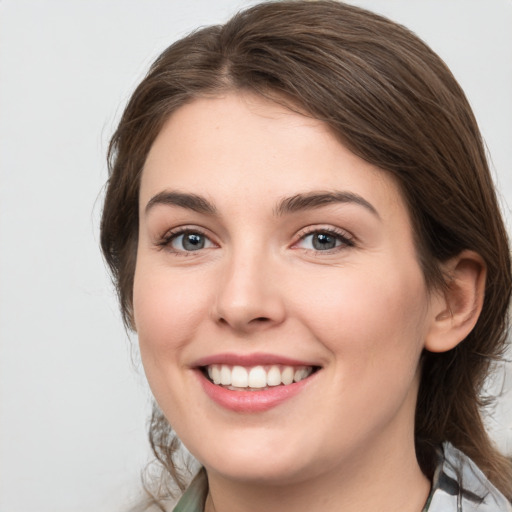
x=73 y=400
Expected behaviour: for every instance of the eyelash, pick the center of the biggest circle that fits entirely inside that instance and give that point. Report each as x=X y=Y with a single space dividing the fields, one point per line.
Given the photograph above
x=340 y=236
x=170 y=236
x=343 y=237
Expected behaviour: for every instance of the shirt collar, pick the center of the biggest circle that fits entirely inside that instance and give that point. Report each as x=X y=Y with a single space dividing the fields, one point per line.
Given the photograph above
x=458 y=486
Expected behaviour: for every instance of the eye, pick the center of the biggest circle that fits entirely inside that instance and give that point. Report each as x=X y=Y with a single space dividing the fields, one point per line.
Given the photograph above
x=188 y=241
x=324 y=240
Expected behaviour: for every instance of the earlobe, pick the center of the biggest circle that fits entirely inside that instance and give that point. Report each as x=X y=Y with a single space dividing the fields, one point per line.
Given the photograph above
x=457 y=307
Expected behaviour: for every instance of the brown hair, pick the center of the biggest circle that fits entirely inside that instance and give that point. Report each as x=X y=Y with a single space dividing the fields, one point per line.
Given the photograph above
x=395 y=104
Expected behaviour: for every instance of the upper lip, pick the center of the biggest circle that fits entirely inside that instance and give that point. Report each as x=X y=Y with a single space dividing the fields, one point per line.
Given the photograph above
x=256 y=359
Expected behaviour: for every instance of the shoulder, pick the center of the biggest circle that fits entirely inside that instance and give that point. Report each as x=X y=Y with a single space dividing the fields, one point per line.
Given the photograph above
x=460 y=486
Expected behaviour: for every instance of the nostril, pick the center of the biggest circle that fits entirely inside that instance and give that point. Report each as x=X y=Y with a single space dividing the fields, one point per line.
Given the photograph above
x=261 y=319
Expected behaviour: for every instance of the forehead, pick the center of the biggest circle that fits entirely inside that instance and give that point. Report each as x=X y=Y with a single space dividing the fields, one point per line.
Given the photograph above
x=248 y=150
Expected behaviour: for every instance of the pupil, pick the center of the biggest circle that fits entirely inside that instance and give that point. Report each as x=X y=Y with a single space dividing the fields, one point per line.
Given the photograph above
x=323 y=242
x=193 y=242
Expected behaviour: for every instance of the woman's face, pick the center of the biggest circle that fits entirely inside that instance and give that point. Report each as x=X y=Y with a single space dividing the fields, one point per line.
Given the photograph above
x=268 y=254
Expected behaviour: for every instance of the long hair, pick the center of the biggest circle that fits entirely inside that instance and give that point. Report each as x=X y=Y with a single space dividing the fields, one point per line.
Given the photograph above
x=393 y=102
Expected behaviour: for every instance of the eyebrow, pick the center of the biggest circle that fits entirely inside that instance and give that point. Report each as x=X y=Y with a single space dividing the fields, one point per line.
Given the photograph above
x=193 y=202
x=313 y=200
x=293 y=204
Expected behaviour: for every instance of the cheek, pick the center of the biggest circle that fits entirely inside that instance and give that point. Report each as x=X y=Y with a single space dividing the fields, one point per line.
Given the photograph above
x=167 y=309
x=374 y=329
x=371 y=320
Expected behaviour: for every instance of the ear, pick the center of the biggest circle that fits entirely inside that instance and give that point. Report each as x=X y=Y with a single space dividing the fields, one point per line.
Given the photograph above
x=456 y=308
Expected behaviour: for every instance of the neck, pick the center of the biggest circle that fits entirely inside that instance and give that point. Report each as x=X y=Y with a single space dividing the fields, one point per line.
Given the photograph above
x=386 y=479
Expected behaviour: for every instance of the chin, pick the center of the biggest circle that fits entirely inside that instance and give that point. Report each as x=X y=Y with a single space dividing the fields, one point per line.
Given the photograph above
x=262 y=459
x=254 y=470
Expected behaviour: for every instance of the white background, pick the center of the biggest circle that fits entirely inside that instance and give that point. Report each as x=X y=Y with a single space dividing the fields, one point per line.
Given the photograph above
x=73 y=402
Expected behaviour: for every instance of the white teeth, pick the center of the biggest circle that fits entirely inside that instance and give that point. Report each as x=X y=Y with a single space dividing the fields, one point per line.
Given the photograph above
x=300 y=374
x=225 y=375
x=239 y=377
x=257 y=377
x=214 y=374
x=287 y=375
x=274 y=376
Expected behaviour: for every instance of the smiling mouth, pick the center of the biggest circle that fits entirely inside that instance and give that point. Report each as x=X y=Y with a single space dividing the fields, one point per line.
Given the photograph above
x=256 y=378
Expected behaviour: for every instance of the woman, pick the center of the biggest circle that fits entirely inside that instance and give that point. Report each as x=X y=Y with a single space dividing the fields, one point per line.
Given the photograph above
x=304 y=234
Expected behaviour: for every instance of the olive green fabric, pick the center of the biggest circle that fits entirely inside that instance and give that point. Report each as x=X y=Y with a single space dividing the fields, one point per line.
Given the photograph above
x=195 y=495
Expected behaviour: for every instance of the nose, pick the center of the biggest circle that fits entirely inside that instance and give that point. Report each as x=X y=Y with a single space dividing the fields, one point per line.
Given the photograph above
x=250 y=296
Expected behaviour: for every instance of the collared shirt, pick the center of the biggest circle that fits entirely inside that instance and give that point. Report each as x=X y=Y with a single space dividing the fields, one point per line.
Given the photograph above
x=458 y=486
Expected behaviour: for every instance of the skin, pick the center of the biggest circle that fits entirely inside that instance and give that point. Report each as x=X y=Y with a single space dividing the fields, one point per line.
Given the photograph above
x=361 y=311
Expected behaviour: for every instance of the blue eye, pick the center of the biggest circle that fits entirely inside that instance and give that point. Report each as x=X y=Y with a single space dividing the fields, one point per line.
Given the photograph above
x=190 y=241
x=323 y=241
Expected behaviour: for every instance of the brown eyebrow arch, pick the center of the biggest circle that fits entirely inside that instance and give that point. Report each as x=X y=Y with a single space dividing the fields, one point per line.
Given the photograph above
x=190 y=201
x=312 y=200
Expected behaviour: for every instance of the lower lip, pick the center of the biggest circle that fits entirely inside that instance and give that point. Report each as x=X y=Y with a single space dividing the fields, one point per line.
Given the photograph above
x=251 y=401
